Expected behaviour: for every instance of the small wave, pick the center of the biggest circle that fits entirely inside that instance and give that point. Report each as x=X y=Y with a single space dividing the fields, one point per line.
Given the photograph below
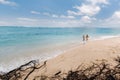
x=18 y=62
x=105 y=37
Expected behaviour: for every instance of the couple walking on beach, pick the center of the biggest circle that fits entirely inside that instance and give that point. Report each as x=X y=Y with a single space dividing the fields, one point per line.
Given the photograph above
x=85 y=38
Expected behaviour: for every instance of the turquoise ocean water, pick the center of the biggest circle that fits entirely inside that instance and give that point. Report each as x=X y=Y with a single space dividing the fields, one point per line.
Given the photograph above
x=21 y=44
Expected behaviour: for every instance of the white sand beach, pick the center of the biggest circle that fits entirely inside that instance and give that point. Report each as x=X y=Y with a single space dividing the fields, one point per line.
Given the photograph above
x=106 y=49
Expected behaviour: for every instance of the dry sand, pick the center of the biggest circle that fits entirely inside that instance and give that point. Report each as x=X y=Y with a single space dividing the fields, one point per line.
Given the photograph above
x=106 y=49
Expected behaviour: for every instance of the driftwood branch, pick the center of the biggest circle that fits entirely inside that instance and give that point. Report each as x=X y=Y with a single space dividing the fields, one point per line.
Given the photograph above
x=97 y=71
x=21 y=71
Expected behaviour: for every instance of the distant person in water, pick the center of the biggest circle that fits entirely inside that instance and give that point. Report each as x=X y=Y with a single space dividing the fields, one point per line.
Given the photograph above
x=87 y=37
x=84 y=39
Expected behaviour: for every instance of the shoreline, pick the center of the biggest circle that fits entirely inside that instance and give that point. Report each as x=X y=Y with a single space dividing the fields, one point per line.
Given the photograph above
x=54 y=55
x=106 y=49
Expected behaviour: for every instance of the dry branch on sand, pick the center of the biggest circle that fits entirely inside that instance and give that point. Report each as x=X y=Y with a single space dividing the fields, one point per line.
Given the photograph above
x=97 y=71
x=22 y=72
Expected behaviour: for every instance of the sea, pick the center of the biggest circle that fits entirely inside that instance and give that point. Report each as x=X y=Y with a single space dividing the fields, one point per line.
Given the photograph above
x=19 y=45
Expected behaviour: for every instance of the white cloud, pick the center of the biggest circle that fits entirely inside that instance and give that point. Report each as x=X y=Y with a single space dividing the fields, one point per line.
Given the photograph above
x=35 y=12
x=45 y=22
x=55 y=16
x=116 y=15
x=46 y=14
x=115 y=18
x=71 y=23
x=89 y=8
x=67 y=22
x=113 y=21
x=94 y=2
x=86 y=12
x=58 y=16
x=67 y=17
x=6 y=2
x=26 y=19
x=73 y=13
x=86 y=19
x=70 y=17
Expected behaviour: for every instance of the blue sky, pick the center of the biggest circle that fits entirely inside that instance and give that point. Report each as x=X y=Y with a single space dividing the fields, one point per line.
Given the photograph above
x=60 y=13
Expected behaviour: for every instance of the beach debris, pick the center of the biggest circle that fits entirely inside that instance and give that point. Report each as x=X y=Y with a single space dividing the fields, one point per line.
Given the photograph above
x=97 y=71
x=22 y=72
x=57 y=73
